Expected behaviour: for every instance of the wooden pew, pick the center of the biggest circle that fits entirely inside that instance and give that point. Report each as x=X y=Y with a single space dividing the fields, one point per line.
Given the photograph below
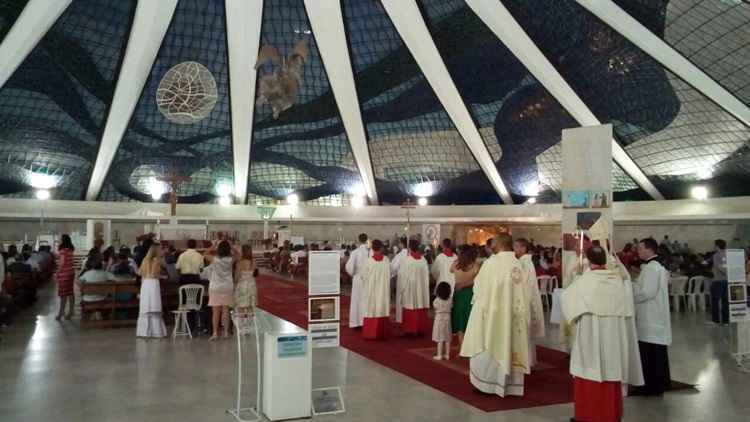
x=169 y=298
x=108 y=306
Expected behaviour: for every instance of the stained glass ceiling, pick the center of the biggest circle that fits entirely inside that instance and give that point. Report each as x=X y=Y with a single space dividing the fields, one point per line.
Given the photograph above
x=53 y=109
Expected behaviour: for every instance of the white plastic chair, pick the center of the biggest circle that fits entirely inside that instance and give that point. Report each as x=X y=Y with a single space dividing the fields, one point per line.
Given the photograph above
x=695 y=299
x=545 y=290
x=191 y=299
x=677 y=291
x=706 y=293
x=691 y=290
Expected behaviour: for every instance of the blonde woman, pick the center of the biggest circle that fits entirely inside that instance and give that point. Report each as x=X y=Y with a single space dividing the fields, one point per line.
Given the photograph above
x=150 y=322
x=221 y=287
x=245 y=290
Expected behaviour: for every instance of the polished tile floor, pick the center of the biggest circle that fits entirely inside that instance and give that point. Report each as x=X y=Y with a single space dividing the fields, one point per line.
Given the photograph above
x=52 y=371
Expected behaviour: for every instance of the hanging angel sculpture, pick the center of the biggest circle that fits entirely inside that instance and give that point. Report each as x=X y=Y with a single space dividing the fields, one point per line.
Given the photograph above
x=280 y=88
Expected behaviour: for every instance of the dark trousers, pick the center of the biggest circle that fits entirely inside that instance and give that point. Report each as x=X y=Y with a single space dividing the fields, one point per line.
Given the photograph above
x=655 y=362
x=719 y=297
x=192 y=279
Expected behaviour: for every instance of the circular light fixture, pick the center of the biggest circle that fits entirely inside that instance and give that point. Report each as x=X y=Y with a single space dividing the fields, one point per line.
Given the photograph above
x=424 y=189
x=531 y=200
x=42 y=194
x=358 y=201
x=292 y=199
x=422 y=201
x=43 y=181
x=699 y=192
x=225 y=201
x=224 y=189
x=156 y=188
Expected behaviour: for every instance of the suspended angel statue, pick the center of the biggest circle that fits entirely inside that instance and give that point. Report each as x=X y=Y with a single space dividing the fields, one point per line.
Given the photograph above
x=280 y=88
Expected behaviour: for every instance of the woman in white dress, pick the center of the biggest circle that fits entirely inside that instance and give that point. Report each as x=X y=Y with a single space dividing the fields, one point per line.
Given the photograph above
x=150 y=321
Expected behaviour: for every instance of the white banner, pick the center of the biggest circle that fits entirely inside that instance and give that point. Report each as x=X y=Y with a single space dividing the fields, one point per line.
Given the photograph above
x=324 y=273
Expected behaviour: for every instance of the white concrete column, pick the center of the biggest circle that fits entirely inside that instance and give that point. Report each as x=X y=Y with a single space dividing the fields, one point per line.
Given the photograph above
x=90 y=234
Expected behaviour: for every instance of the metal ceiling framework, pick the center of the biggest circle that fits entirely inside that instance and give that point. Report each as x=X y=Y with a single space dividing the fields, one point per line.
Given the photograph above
x=150 y=25
x=36 y=19
x=410 y=24
x=643 y=38
x=244 y=17
x=327 y=23
x=494 y=14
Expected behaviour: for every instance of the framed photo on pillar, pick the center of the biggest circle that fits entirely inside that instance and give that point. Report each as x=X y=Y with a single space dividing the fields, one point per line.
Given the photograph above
x=575 y=199
x=600 y=199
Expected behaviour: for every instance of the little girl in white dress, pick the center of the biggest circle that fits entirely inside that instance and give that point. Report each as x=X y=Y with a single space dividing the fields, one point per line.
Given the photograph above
x=441 y=327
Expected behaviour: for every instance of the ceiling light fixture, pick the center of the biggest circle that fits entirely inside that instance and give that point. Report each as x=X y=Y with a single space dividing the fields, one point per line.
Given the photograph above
x=422 y=201
x=699 y=192
x=42 y=181
x=42 y=194
x=292 y=199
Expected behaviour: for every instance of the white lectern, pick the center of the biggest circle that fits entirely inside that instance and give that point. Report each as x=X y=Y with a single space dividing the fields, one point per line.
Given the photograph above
x=287 y=372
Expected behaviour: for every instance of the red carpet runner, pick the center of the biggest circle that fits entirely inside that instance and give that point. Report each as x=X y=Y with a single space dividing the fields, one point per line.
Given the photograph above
x=549 y=384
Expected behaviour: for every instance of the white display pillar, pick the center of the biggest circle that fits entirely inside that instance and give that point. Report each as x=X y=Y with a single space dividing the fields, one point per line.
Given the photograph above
x=586 y=199
x=266 y=230
x=98 y=229
x=586 y=190
x=90 y=234
x=107 y=232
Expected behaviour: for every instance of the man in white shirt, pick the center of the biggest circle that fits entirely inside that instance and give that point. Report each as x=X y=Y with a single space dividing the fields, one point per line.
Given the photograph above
x=441 y=267
x=354 y=267
x=599 y=307
x=190 y=264
x=651 y=294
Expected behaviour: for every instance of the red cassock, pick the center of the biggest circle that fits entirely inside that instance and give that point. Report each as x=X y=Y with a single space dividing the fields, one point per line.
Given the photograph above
x=597 y=401
x=375 y=328
x=415 y=322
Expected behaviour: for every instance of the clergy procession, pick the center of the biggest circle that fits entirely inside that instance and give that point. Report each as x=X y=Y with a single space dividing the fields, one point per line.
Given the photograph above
x=616 y=331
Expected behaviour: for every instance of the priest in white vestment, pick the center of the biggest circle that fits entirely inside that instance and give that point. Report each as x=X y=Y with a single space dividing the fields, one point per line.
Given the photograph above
x=441 y=266
x=354 y=266
x=414 y=286
x=376 y=294
x=536 y=327
x=497 y=336
x=604 y=356
x=395 y=266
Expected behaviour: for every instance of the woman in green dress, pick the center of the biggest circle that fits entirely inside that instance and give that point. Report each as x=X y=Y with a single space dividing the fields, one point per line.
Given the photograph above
x=465 y=268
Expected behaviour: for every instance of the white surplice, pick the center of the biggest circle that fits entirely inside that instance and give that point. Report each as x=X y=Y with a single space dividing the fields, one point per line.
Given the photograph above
x=497 y=336
x=376 y=292
x=397 y=260
x=441 y=270
x=355 y=266
x=599 y=305
x=414 y=284
x=536 y=324
x=395 y=266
